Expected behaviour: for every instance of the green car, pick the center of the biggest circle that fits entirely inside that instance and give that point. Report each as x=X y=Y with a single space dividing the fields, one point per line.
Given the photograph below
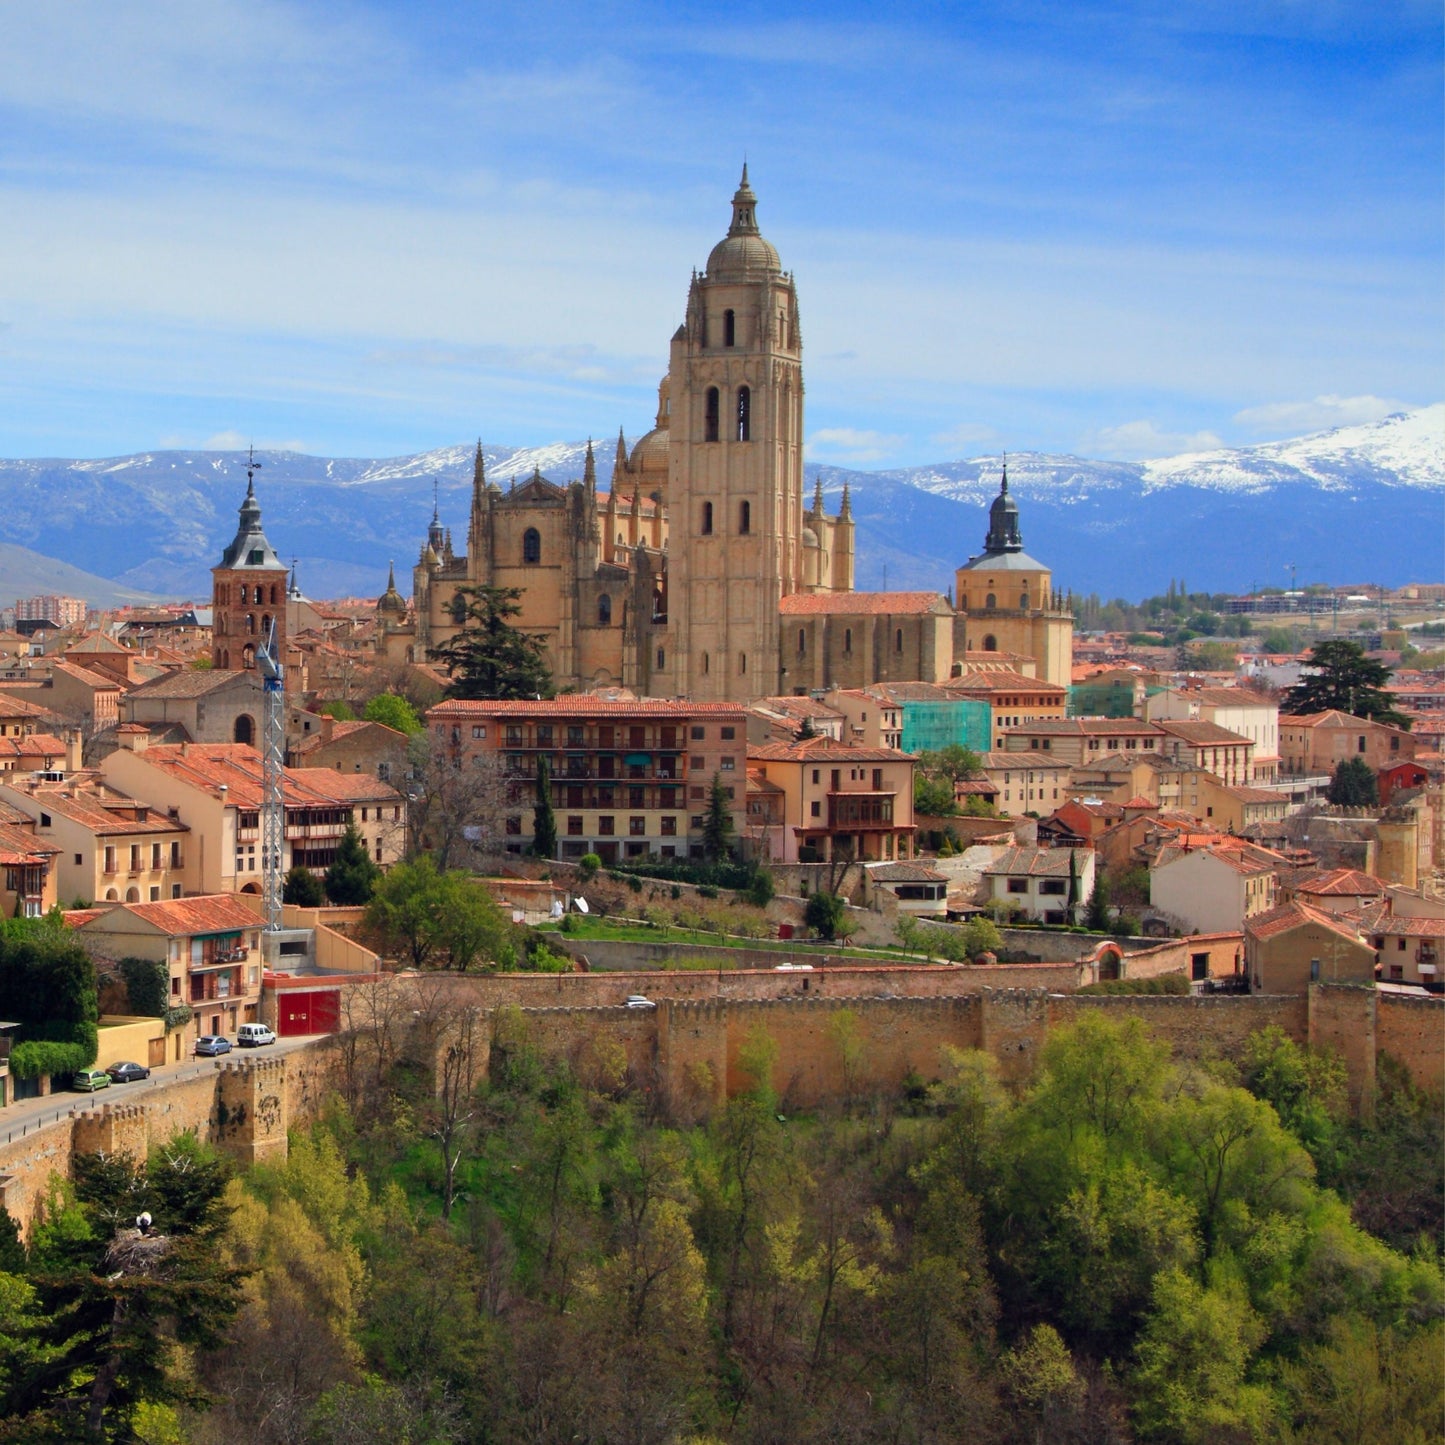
x=87 y=1081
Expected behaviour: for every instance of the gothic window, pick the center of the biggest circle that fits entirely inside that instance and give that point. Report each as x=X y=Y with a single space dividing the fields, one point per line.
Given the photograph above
x=745 y=518
x=990 y=643
x=730 y=328
x=745 y=408
x=990 y=602
x=707 y=519
x=531 y=545
x=713 y=409
x=604 y=611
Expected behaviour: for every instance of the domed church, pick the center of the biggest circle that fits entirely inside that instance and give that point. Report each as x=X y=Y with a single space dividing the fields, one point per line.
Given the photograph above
x=704 y=571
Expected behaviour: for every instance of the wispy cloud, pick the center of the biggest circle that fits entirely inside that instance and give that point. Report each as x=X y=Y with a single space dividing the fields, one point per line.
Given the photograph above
x=852 y=445
x=1141 y=440
x=1289 y=418
x=965 y=434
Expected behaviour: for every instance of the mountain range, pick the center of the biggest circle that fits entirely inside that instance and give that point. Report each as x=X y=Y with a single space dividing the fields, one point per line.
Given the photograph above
x=1358 y=504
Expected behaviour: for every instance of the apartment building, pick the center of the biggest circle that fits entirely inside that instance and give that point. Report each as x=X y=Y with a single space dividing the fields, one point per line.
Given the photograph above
x=111 y=848
x=630 y=777
x=1236 y=709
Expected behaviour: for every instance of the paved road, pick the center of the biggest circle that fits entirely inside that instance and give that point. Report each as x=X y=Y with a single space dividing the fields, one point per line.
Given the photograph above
x=18 y=1119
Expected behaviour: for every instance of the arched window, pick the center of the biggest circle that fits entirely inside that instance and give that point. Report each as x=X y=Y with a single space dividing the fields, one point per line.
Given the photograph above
x=251 y=624
x=705 y=668
x=604 y=611
x=707 y=519
x=990 y=602
x=745 y=517
x=275 y=594
x=243 y=594
x=266 y=625
x=248 y=657
x=244 y=730
x=898 y=640
x=621 y=540
x=132 y=895
x=847 y=639
x=802 y=640
x=745 y=409
x=661 y=659
x=730 y=328
x=742 y=663
x=221 y=624
x=1024 y=601
x=531 y=545
x=990 y=643
x=713 y=410
x=111 y=896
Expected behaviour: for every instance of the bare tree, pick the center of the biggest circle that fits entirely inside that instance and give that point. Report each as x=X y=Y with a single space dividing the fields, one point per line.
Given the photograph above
x=454 y=1107
x=456 y=807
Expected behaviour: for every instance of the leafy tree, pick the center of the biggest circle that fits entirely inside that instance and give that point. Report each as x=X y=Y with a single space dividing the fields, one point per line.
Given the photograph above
x=435 y=919
x=933 y=797
x=47 y=985
x=393 y=712
x=303 y=888
x=717 y=823
x=352 y=876
x=981 y=935
x=544 y=821
x=823 y=913
x=340 y=710
x=1096 y=915
x=760 y=887
x=807 y=730
x=1342 y=677
x=587 y=866
x=953 y=762
x=1353 y=785
x=490 y=658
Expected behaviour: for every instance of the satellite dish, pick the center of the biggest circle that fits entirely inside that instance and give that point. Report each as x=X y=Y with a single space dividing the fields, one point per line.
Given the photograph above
x=580 y=904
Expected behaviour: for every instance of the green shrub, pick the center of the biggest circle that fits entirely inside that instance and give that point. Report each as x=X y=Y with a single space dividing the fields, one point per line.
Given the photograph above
x=760 y=891
x=1168 y=983
x=147 y=986
x=33 y=1057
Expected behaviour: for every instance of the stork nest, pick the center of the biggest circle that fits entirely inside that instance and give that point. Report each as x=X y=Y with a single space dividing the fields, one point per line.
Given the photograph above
x=132 y=1252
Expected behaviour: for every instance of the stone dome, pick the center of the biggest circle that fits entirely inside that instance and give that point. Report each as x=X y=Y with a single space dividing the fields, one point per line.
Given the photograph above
x=650 y=456
x=810 y=538
x=743 y=254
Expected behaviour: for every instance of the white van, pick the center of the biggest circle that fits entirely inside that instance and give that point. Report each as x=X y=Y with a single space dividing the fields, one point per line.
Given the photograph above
x=252 y=1036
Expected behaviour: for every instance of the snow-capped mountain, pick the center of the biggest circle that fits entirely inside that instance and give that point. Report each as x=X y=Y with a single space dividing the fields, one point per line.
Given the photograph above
x=1361 y=503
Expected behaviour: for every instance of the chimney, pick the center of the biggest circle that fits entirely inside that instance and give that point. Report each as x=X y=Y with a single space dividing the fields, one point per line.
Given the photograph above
x=74 y=750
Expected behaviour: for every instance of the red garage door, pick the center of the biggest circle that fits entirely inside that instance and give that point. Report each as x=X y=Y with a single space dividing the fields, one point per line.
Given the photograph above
x=308 y=1011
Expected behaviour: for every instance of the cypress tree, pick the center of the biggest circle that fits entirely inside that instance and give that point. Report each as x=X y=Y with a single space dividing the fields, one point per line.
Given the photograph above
x=544 y=823
x=351 y=878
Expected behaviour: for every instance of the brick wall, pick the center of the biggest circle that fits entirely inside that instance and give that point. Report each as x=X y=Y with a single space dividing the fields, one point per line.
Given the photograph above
x=1412 y=1031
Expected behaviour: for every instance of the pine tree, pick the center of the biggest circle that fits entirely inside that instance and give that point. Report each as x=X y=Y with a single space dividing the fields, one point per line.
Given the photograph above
x=352 y=877
x=1341 y=677
x=717 y=825
x=544 y=822
x=302 y=888
x=490 y=658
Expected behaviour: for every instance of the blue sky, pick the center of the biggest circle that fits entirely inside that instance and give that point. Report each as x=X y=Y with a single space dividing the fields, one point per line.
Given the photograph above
x=1122 y=229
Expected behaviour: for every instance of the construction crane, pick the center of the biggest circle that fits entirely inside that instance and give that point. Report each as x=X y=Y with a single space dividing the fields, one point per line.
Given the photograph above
x=273 y=775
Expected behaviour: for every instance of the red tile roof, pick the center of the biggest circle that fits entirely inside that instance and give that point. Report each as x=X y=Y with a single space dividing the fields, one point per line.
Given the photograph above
x=823 y=749
x=186 y=917
x=1201 y=733
x=1289 y=916
x=1342 y=883
x=585 y=705
x=1036 y=862
x=237 y=766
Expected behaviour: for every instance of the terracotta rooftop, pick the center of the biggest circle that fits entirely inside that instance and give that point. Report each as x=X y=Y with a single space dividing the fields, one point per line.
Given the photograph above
x=191 y=682
x=1003 y=681
x=1377 y=918
x=905 y=873
x=1201 y=733
x=583 y=705
x=1035 y=862
x=103 y=814
x=1002 y=762
x=33 y=745
x=13 y=706
x=1289 y=916
x=19 y=846
x=1082 y=727
x=823 y=749
x=859 y=604
x=187 y=917
x=1225 y=697
x=237 y=766
x=1342 y=883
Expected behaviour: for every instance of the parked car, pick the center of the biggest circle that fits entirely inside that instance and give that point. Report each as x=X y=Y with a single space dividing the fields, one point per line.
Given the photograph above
x=213 y=1044
x=639 y=1000
x=127 y=1073
x=87 y=1081
x=252 y=1036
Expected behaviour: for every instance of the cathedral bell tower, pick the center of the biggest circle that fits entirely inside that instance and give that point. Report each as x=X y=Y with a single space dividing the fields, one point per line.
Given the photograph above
x=735 y=486
x=248 y=590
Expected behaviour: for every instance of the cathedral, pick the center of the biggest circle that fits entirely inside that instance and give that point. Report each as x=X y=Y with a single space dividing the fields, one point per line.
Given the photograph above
x=705 y=571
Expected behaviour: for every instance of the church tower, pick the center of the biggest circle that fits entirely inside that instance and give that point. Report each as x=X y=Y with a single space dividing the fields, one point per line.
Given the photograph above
x=248 y=591
x=735 y=484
